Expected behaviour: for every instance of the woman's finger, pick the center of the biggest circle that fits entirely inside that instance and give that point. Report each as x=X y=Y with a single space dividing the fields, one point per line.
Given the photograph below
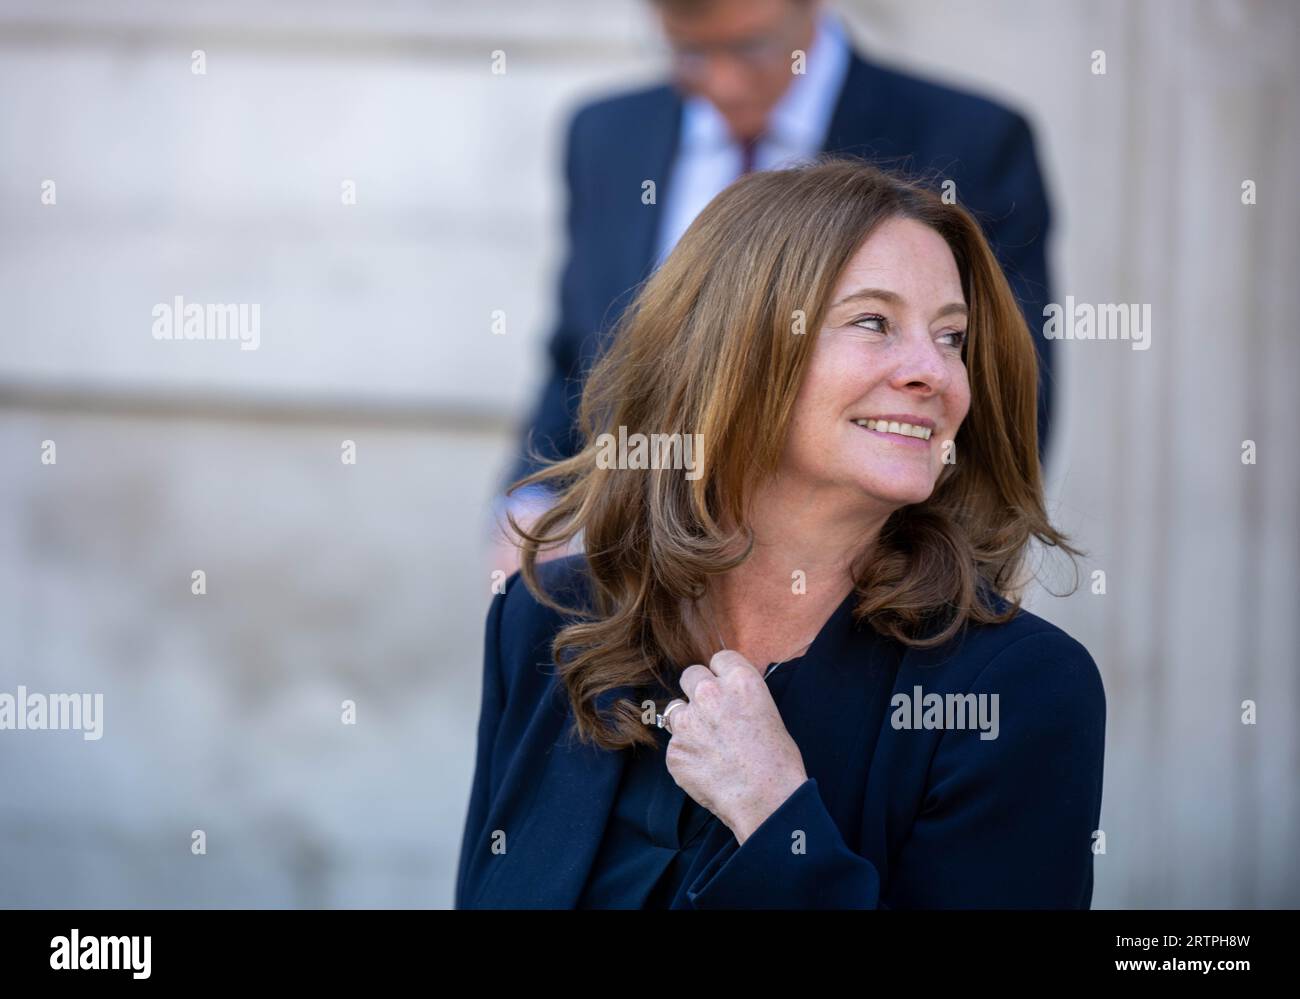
x=673 y=712
x=691 y=677
x=727 y=660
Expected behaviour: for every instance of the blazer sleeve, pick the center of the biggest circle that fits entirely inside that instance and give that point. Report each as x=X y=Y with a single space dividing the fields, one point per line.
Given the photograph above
x=490 y=710
x=1005 y=822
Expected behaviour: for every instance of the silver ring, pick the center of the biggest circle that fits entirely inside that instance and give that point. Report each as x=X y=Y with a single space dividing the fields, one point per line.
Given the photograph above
x=662 y=720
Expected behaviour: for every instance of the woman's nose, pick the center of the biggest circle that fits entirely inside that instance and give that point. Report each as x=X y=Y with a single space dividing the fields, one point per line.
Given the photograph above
x=921 y=362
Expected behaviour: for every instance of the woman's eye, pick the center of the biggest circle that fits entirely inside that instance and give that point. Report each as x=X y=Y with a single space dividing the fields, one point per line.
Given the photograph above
x=958 y=338
x=880 y=323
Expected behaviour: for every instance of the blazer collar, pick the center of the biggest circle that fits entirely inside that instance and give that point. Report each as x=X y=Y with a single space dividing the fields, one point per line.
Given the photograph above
x=554 y=824
x=645 y=152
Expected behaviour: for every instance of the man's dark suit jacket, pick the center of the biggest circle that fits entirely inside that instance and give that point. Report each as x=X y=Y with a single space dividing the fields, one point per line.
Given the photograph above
x=891 y=817
x=895 y=120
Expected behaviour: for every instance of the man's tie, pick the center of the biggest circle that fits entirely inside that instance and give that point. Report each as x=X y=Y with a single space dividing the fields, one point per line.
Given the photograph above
x=748 y=149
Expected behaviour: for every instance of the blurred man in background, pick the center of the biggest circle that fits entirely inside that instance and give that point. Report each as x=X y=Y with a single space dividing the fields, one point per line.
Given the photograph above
x=760 y=84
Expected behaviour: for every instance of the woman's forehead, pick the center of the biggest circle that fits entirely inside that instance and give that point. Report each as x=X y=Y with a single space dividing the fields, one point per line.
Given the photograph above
x=902 y=259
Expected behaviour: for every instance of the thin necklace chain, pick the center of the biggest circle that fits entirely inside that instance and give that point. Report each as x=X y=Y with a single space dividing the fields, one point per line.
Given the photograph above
x=722 y=644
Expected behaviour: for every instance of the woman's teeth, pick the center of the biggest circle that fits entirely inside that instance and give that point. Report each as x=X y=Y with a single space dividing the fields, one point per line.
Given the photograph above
x=906 y=429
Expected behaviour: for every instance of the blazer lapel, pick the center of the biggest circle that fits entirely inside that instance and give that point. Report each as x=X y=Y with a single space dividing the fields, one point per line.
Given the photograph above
x=553 y=823
x=645 y=151
x=836 y=704
x=857 y=112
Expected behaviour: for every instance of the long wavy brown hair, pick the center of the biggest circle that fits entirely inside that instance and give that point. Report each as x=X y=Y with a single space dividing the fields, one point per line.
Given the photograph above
x=706 y=347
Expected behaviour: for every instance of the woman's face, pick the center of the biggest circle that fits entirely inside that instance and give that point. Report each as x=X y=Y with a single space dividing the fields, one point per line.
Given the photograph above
x=888 y=357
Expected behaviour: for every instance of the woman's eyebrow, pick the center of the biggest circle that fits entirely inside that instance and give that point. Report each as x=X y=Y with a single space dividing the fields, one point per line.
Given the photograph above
x=884 y=295
x=893 y=298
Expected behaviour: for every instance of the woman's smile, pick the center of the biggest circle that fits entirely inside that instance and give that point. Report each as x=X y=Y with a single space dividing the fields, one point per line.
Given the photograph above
x=908 y=433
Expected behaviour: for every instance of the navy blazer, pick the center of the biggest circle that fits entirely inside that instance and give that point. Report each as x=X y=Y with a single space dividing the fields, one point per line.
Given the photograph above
x=893 y=119
x=890 y=816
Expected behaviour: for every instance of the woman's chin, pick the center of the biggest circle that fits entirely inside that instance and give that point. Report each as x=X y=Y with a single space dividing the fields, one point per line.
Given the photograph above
x=898 y=493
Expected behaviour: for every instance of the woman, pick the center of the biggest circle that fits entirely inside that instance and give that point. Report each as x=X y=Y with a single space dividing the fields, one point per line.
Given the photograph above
x=792 y=671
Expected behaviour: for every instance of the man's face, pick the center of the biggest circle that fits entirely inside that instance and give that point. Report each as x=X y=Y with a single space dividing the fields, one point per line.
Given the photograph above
x=737 y=54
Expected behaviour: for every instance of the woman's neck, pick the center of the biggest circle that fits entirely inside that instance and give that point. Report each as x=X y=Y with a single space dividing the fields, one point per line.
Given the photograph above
x=801 y=568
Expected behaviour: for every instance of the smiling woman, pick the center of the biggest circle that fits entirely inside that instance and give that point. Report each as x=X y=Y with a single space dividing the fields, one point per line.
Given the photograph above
x=868 y=493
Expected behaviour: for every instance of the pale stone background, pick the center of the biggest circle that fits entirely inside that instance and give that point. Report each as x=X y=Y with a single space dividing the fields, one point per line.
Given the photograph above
x=328 y=582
